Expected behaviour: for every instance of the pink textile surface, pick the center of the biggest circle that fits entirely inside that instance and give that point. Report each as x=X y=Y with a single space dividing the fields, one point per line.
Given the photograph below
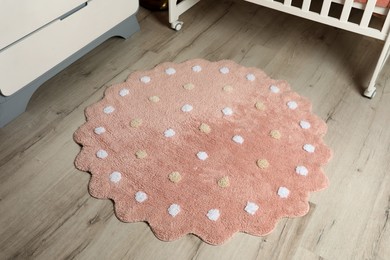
x=379 y=3
x=208 y=148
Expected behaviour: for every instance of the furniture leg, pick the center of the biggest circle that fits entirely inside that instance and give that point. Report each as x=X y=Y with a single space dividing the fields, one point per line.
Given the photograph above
x=371 y=90
x=176 y=9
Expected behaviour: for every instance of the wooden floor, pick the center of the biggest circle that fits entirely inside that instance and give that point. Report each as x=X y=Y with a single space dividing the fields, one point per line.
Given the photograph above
x=46 y=211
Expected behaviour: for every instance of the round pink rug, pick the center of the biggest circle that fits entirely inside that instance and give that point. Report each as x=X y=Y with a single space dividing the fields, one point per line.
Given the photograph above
x=208 y=148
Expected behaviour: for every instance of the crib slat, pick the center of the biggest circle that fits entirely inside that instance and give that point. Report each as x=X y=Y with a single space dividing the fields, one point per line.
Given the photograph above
x=349 y=26
x=346 y=10
x=325 y=8
x=287 y=2
x=367 y=13
x=386 y=25
x=306 y=5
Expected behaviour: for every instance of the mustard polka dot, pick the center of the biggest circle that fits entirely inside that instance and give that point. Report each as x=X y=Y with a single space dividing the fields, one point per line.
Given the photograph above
x=174 y=177
x=135 y=123
x=260 y=106
x=141 y=154
x=262 y=163
x=275 y=134
x=205 y=128
x=224 y=182
x=154 y=99
x=228 y=88
x=189 y=86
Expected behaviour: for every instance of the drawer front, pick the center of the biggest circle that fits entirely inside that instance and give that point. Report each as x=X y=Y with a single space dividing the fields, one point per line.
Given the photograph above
x=19 y=18
x=34 y=55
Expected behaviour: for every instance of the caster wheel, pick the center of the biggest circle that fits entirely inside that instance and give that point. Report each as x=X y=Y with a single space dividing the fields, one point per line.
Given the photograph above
x=370 y=94
x=177 y=25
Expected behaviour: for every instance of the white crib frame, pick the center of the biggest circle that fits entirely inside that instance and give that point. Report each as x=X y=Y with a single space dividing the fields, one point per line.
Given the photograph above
x=176 y=9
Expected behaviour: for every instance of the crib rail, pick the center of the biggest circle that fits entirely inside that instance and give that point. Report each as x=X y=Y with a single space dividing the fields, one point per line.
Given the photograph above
x=361 y=18
x=348 y=19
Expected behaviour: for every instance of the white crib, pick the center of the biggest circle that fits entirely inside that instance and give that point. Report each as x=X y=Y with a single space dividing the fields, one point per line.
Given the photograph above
x=303 y=8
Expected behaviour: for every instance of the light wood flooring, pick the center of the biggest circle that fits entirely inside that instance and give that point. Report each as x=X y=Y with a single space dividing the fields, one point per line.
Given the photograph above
x=46 y=211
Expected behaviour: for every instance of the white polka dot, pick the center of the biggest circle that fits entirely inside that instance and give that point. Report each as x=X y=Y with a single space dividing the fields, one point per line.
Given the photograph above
x=309 y=148
x=250 y=77
x=145 y=79
x=227 y=111
x=197 y=68
x=99 y=130
x=304 y=124
x=274 y=89
x=283 y=192
x=108 y=109
x=238 y=139
x=202 y=156
x=213 y=214
x=292 y=105
x=186 y=108
x=174 y=209
x=302 y=170
x=169 y=133
x=124 y=92
x=141 y=196
x=251 y=208
x=115 y=177
x=170 y=71
x=224 y=70
x=101 y=154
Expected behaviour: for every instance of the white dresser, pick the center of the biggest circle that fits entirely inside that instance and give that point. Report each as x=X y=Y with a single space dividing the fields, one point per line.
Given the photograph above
x=39 y=38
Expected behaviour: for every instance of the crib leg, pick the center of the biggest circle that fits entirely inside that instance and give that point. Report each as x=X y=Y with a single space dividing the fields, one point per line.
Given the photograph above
x=371 y=90
x=174 y=15
x=176 y=9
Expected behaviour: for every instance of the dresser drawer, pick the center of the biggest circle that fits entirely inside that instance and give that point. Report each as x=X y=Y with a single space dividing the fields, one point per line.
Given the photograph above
x=21 y=17
x=37 y=53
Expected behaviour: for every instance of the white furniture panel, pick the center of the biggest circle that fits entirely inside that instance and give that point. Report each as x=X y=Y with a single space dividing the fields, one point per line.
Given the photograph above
x=21 y=17
x=39 y=38
x=34 y=55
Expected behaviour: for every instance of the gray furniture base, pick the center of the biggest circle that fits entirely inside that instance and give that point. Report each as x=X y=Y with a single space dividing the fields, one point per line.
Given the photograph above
x=12 y=106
